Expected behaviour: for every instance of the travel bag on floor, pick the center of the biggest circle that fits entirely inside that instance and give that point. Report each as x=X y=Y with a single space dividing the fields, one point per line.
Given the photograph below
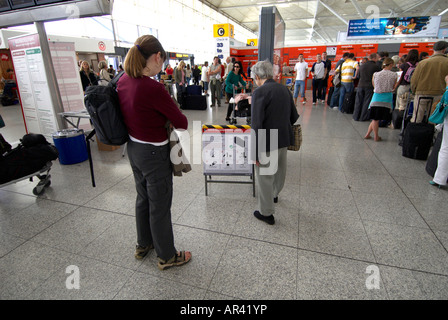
x=397 y=118
x=418 y=138
x=348 y=105
x=194 y=90
x=194 y=103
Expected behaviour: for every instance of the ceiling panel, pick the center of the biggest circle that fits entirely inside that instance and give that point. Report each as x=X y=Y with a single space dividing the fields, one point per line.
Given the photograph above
x=326 y=18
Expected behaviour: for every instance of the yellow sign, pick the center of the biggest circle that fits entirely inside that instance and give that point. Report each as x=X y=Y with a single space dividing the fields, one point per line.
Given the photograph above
x=223 y=30
x=252 y=42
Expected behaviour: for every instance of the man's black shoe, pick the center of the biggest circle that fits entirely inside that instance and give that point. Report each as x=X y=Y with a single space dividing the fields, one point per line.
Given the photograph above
x=269 y=220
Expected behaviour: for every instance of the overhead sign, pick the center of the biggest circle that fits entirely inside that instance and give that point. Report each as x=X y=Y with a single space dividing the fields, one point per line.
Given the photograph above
x=252 y=42
x=223 y=30
x=394 y=27
x=222 y=48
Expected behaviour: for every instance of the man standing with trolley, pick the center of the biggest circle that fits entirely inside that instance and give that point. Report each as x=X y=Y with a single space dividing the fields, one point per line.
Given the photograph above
x=428 y=81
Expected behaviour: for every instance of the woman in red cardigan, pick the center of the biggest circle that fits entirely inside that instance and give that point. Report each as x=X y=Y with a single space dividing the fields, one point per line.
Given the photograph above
x=146 y=108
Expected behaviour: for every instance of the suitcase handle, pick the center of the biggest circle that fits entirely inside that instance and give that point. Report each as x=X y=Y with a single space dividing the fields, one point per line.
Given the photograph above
x=418 y=107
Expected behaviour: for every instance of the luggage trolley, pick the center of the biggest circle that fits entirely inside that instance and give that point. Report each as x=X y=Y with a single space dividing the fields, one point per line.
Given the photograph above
x=43 y=175
x=241 y=105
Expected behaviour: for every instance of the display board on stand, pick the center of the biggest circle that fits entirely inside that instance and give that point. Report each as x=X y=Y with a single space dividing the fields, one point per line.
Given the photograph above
x=226 y=152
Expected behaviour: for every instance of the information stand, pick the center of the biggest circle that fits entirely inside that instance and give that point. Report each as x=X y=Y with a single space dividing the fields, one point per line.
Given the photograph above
x=225 y=151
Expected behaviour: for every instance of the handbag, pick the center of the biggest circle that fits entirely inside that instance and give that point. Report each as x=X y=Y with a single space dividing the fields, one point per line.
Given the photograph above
x=337 y=80
x=183 y=166
x=297 y=135
x=441 y=111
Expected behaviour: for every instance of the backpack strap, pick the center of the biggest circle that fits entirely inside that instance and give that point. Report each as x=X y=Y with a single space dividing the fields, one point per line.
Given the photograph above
x=114 y=81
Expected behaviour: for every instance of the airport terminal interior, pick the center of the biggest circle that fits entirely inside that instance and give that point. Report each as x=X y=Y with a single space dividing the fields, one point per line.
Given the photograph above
x=355 y=221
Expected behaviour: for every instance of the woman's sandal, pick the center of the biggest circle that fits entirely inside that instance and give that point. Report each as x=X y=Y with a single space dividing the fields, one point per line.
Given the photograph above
x=181 y=258
x=141 y=252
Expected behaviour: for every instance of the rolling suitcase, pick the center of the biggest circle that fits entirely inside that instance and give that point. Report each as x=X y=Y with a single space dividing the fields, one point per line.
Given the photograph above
x=418 y=138
x=194 y=90
x=194 y=102
x=349 y=102
x=397 y=118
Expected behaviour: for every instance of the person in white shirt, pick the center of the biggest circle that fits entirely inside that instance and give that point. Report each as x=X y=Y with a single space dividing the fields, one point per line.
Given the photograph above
x=104 y=74
x=319 y=72
x=204 y=77
x=300 y=71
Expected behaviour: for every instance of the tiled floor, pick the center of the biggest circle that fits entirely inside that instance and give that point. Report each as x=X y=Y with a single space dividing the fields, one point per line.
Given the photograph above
x=349 y=206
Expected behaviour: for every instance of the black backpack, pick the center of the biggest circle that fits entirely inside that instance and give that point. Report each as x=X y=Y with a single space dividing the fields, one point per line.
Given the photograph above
x=103 y=105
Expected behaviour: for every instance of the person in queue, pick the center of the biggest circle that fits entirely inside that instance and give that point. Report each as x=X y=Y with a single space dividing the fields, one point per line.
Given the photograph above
x=146 y=108
x=273 y=113
x=441 y=175
x=88 y=77
x=382 y=101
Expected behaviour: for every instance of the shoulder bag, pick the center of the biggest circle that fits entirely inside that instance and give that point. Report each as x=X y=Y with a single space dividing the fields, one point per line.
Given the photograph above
x=441 y=111
x=297 y=134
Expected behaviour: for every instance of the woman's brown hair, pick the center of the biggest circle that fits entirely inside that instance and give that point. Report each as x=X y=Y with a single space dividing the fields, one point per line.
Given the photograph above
x=387 y=62
x=144 y=47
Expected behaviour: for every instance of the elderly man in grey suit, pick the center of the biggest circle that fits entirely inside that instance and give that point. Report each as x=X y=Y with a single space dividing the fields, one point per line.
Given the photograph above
x=273 y=114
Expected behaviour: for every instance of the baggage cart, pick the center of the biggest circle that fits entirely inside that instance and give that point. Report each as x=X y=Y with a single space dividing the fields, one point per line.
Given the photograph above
x=44 y=176
x=241 y=106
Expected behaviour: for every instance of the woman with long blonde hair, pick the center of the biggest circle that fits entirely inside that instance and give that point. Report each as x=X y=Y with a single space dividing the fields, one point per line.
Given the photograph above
x=88 y=77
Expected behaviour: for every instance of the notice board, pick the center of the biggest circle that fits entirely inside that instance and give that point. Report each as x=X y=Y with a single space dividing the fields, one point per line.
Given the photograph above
x=35 y=96
x=226 y=150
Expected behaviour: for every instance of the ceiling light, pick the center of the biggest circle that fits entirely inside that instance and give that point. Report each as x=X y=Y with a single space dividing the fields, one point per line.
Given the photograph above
x=443 y=12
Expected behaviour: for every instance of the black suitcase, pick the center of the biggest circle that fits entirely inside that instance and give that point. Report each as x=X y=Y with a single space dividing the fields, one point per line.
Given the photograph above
x=418 y=138
x=348 y=105
x=431 y=164
x=194 y=103
x=7 y=101
x=194 y=90
x=397 y=118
